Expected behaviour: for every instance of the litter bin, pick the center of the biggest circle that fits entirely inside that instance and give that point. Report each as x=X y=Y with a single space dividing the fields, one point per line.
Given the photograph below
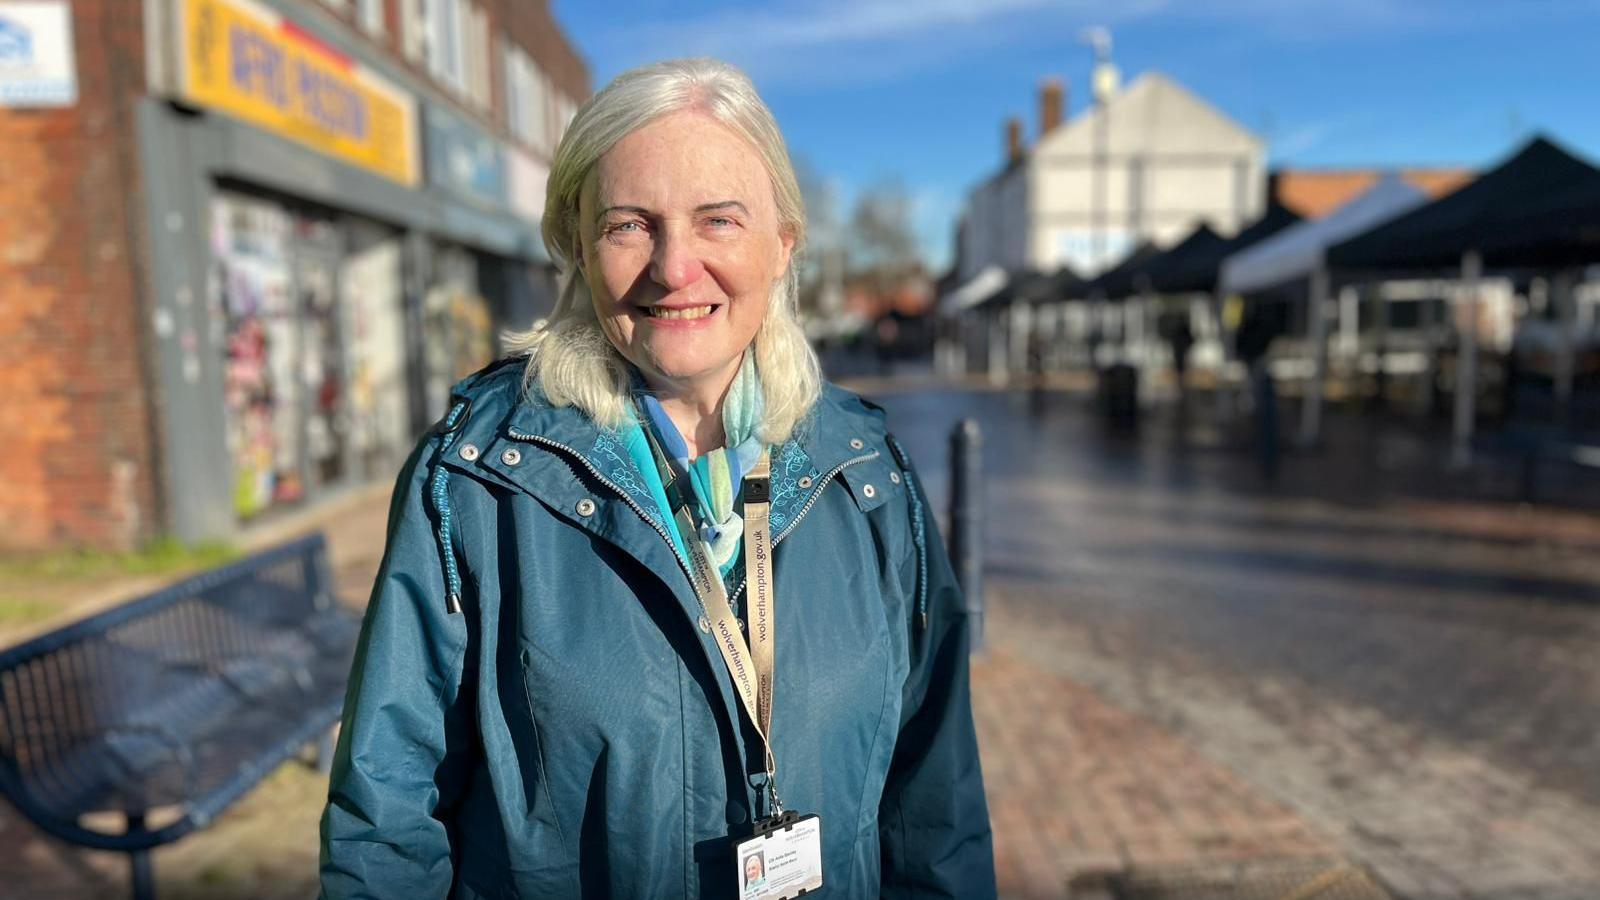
x=1119 y=392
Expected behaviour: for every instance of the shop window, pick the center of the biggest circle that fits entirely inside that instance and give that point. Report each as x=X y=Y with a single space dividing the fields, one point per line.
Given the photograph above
x=444 y=43
x=314 y=338
x=414 y=30
x=374 y=325
x=525 y=97
x=371 y=16
x=457 y=326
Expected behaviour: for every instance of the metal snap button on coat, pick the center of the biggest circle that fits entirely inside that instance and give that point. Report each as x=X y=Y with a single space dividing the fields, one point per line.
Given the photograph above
x=869 y=491
x=705 y=624
x=894 y=477
x=805 y=482
x=586 y=507
x=511 y=456
x=856 y=444
x=469 y=452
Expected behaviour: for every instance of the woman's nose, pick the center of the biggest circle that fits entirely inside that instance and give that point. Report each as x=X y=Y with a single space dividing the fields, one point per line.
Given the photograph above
x=675 y=264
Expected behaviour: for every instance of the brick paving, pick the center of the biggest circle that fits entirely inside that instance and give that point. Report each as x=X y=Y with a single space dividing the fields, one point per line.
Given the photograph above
x=1080 y=788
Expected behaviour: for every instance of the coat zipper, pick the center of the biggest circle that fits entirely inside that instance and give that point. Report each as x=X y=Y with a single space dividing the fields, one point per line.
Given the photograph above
x=546 y=442
x=865 y=457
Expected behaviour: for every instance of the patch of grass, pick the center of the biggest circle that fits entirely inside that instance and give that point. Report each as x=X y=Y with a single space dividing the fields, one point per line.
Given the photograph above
x=159 y=557
x=25 y=611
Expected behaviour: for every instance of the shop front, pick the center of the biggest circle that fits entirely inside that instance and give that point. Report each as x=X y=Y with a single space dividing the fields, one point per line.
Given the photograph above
x=317 y=281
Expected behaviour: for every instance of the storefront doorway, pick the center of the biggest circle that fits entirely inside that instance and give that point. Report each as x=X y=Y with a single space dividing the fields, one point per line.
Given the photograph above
x=311 y=313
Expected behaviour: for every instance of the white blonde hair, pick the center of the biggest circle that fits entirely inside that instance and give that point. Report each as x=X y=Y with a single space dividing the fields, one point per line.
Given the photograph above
x=569 y=355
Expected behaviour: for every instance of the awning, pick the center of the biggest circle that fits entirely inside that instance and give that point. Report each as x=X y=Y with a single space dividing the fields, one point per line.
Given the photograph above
x=1297 y=251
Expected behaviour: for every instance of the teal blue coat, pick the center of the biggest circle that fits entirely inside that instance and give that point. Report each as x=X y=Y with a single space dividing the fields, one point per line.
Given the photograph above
x=536 y=711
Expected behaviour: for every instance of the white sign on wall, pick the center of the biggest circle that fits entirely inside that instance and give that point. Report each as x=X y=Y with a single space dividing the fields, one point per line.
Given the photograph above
x=1089 y=252
x=36 y=62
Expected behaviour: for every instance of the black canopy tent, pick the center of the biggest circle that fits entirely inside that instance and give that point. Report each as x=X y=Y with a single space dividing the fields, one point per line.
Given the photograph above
x=1182 y=266
x=1195 y=264
x=1021 y=284
x=995 y=317
x=1040 y=297
x=1514 y=216
x=1124 y=279
x=1558 y=231
x=1434 y=237
x=1196 y=270
x=1064 y=285
x=1561 y=235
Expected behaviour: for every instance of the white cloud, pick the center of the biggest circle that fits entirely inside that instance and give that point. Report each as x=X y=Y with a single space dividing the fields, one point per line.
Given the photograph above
x=1301 y=139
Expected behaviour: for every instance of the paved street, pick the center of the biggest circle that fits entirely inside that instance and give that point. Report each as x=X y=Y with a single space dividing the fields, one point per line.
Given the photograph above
x=1414 y=678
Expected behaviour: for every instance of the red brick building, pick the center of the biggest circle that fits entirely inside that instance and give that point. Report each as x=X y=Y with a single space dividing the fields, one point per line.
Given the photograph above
x=241 y=258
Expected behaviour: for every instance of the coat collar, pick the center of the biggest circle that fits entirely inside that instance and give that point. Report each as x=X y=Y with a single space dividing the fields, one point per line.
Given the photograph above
x=828 y=438
x=556 y=452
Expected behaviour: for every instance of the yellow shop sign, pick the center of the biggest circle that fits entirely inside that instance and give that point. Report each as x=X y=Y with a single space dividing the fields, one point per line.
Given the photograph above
x=243 y=59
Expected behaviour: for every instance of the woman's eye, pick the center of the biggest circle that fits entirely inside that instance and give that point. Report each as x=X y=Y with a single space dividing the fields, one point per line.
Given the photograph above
x=625 y=228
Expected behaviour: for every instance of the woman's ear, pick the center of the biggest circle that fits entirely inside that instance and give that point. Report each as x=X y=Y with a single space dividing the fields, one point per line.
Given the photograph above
x=785 y=251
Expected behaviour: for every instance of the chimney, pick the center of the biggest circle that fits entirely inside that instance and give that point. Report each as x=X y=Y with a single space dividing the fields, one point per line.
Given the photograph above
x=1014 y=148
x=1052 y=105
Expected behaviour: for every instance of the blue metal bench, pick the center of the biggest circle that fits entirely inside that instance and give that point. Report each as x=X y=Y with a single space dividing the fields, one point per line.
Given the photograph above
x=158 y=714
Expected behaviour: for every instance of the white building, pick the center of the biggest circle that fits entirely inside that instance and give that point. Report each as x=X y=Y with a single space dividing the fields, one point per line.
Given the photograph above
x=1149 y=163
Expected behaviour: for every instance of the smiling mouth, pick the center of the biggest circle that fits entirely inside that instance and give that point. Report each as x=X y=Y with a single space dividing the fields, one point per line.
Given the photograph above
x=686 y=312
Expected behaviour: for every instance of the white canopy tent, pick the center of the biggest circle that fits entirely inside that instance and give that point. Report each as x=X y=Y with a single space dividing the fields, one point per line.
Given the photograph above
x=1299 y=252
x=975 y=290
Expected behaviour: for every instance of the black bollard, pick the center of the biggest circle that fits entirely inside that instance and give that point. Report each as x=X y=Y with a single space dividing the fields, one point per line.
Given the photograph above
x=966 y=521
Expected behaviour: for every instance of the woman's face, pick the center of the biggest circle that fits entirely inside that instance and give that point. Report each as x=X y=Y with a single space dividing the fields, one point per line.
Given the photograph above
x=680 y=247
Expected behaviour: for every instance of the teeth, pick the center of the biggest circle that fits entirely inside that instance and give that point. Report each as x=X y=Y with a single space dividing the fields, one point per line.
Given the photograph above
x=693 y=312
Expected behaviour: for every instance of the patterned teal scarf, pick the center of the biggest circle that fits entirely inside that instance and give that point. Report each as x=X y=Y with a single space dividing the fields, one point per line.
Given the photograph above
x=715 y=476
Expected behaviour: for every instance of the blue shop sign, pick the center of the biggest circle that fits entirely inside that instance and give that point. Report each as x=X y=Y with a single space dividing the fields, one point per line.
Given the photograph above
x=463 y=159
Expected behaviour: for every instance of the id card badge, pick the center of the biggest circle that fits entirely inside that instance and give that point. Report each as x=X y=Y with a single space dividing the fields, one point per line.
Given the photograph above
x=783 y=859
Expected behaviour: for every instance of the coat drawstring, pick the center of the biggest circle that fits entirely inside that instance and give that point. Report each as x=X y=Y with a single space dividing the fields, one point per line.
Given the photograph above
x=440 y=489
x=918 y=535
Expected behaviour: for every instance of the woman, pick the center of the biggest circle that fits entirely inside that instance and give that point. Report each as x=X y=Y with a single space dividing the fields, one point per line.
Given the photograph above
x=639 y=548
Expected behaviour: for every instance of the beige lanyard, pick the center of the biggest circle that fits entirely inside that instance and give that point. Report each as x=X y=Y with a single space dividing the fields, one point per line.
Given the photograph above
x=751 y=664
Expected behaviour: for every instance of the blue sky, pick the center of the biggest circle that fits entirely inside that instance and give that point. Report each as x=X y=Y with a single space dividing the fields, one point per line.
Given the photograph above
x=917 y=90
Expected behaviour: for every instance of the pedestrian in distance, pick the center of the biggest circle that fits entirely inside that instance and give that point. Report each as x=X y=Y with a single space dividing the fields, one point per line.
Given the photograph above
x=657 y=600
x=1253 y=344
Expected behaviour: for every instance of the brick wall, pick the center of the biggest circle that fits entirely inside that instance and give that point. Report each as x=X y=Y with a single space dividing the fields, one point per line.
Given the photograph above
x=74 y=404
